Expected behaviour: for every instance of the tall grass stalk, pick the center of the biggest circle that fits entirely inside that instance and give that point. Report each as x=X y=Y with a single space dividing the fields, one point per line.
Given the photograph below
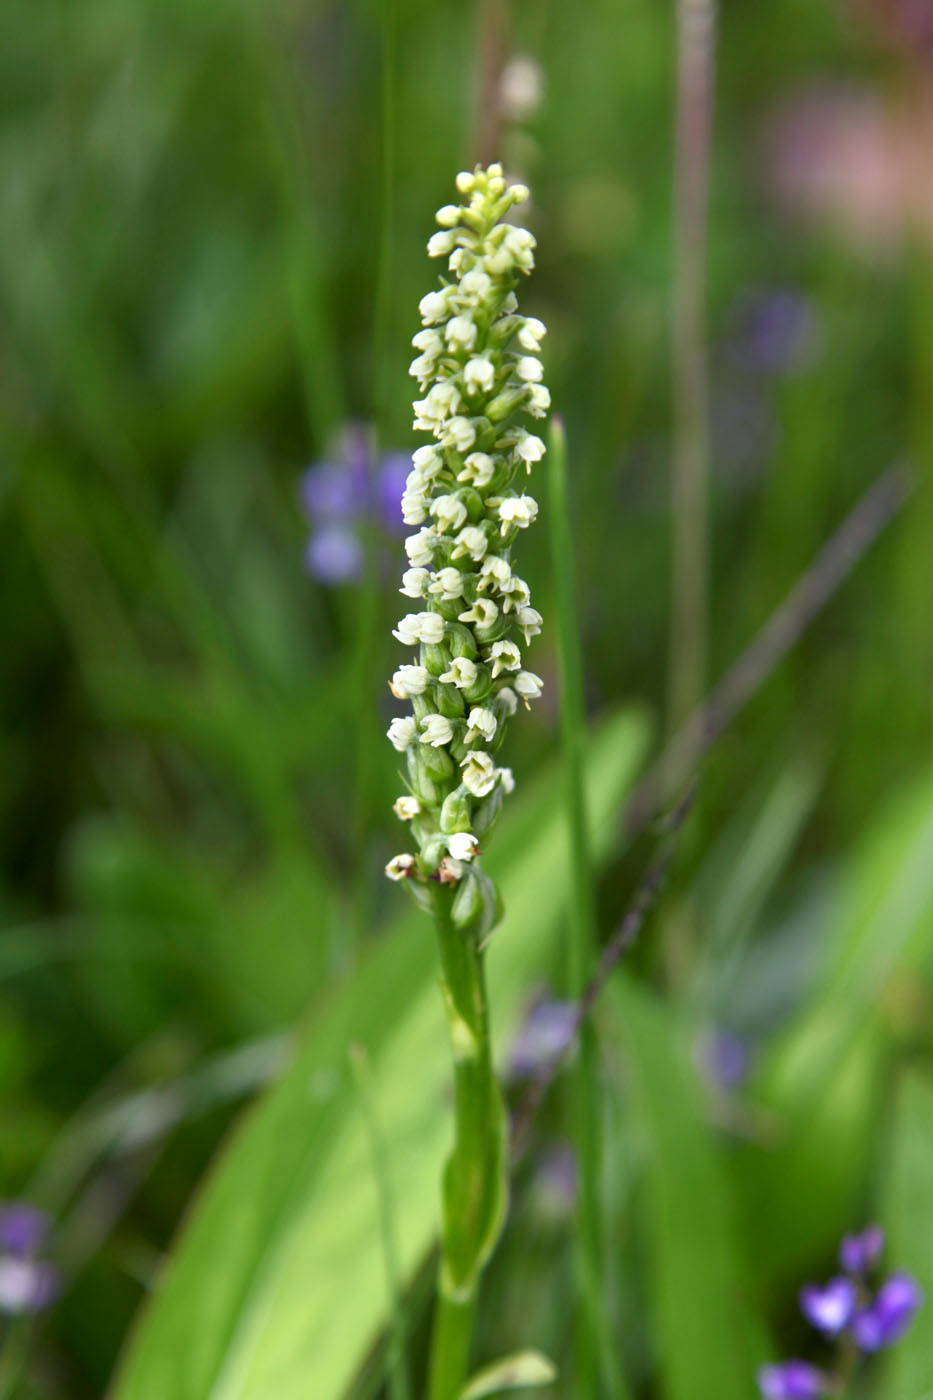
x=595 y=1352
x=696 y=53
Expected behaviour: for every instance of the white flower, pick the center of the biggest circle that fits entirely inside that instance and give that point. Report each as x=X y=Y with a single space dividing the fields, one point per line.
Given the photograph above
x=509 y=699
x=420 y=627
x=430 y=342
x=437 y=731
x=478 y=469
x=406 y=807
x=414 y=507
x=422 y=369
x=481 y=724
x=528 y=685
x=420 y=548
x=498 y=262
x=449 y=871
x=531 y=334
x=462 y=673
x=414 y=583
x=479 y=375
x=442 y=400
x=409 y=681
x=519 y=511
x=484 y=612
x=515 y=593
x=521 y=244
x=449 y=513
x=507 y=779
x=401 y=733
x=462 y=845
x=475 y=287
x=428 y=461
x=459 y=433
x=504 y=656
x=470 y=541
x=529 y=448
x=460 y=332
x=539 y=401
x=440 y=244
x=465 y=182
x=400 y=866
x=447 y=584
x=433 y=308
x=479 y=773
x=529 y=623
x=529 y=369
x=448 y=215
x=495 y=570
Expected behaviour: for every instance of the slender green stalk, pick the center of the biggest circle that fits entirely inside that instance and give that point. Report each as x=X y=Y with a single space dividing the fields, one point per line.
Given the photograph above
x=594 y=1332
x=475 y=1183
x=399 y=1386
x=696 y=29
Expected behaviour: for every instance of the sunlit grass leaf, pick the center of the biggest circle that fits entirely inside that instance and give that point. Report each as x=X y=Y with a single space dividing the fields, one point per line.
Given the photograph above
x=277 y=1285
x=524 y=1369
x=908 y=1215
x=702 y=1318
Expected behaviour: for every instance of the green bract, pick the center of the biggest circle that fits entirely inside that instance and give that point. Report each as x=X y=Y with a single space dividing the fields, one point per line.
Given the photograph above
x=477 y=368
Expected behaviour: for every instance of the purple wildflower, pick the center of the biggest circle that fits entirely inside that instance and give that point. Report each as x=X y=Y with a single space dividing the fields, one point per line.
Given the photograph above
x=792 y=1380
x=885 y=1320
x=26 y=1285
x=333 y=491
x=334 y=555
x=829 y=1309
x=724 y=1057
x=860 y=1253
x=543 y=1036
x=24 y=1229
x=777 y=332
x=390 y=483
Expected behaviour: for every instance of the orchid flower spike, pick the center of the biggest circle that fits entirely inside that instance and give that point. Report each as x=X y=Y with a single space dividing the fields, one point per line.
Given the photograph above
x=477 y=372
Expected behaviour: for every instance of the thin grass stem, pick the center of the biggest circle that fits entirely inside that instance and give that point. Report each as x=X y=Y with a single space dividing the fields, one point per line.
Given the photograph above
x=596 y=1353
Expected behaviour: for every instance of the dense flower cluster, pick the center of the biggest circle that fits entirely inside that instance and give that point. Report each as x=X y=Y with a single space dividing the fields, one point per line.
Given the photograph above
x=476 y=367
x=845 y=1309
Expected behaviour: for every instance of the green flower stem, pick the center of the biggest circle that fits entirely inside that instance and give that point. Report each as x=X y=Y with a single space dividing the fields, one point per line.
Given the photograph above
x=475 y=1181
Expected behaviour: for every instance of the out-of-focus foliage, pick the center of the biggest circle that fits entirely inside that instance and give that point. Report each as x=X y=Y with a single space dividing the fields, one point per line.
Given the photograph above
x=194 y=808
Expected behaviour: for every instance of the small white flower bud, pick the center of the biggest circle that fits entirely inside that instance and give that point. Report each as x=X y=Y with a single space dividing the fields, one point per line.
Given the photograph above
x=449 y=513
x=479 y=773
x=539 y=401
x=430 y=342
x=531 y=334
x=517 y=510
x=509 y=699
x=440 y=244
x=462 y=845
x=479 y=375
x=465 y=182
x=529 y=623
x=448 y=216
x=529 y=369
x=475 y=287
x=415 y=583
x=400 y=866
x=420 y=548
x=529 y=448
x=462 y=673
x=470 y=541
x=503 y=656
x=519 y=193
x=436 y=731
x=481 y=724
x=414 y=507
x=433 y=308
x=498 y=262
x=495 y=571
x=401 y=733
x=431 y=628
x=521 y=245
x=407 y=807
x=483 y=612
x=478 y=469
x=409 y=681
x=460 y=332
x=450 y=871
x=442 y=401
x=528 y=685
x=428 y=461
x=447 y=584
x=460 y=434
x=506 y=778
x=422 y=368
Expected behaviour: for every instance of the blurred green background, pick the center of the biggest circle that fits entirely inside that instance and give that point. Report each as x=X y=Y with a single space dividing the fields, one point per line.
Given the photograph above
x=195 y=801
